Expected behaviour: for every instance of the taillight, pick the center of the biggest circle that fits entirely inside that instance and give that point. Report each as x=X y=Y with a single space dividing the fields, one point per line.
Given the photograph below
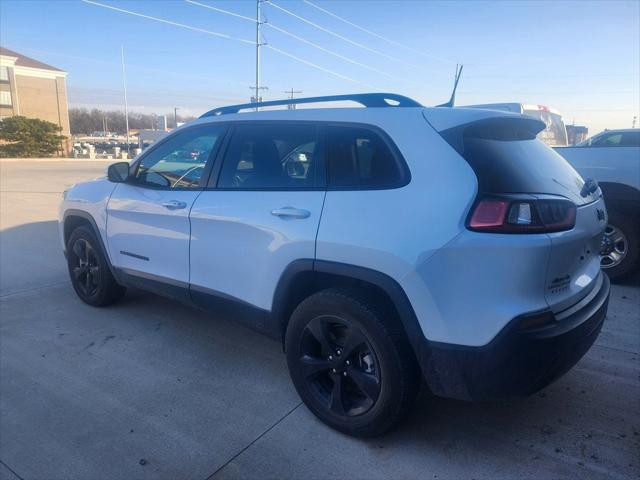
x=504 y=215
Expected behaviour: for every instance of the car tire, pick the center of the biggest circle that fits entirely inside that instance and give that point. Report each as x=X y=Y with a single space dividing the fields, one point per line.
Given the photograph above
x=89 y=270
x=620 y=257
x=351 y=362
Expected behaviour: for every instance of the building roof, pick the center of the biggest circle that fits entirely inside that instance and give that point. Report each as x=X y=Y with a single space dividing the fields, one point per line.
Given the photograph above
x=24 y=61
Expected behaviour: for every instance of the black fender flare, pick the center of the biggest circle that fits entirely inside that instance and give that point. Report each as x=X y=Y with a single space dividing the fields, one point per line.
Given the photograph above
x=620 y=195
x=88 y=217
x=312 y=268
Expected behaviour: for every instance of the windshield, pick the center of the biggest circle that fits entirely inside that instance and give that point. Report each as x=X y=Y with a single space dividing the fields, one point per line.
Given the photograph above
x=555 y=133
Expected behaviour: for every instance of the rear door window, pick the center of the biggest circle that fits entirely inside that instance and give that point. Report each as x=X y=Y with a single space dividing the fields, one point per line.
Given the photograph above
x=272 y=156
x=359 y=158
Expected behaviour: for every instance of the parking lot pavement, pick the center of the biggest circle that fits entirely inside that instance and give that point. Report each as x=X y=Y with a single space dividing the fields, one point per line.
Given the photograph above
x=153 y=389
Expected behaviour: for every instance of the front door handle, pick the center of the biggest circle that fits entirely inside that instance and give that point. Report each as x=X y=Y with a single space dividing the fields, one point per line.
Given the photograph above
x=174 y=205
x=290 y=212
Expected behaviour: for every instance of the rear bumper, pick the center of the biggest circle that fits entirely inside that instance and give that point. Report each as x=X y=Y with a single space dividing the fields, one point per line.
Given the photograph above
x=524 y=357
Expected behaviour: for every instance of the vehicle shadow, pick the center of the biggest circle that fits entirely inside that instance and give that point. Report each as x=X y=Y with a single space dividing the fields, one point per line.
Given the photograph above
x=588 y=419
x=30 y=257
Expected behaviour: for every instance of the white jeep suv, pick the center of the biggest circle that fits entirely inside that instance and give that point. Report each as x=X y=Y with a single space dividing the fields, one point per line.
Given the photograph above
x=382 y=245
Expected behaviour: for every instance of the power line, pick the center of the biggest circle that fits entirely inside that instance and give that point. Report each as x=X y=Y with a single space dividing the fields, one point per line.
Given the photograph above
x=335 y=54
x=303 y=40
x=176 y=24
x=250 y=42
x=377 y=35
x=131 y=66
x=341 y=37
x=326 y=70
x=220 y=10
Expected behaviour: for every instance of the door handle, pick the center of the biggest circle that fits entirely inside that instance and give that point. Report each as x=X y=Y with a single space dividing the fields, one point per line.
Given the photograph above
x=290 y=212
x=174 y=205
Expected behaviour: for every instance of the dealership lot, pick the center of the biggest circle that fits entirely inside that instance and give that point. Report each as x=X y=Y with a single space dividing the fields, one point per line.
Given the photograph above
x=154 y=389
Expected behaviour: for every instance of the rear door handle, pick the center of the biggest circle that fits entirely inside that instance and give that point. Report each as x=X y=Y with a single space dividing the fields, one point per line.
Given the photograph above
x=290 y=212
x=174 y=205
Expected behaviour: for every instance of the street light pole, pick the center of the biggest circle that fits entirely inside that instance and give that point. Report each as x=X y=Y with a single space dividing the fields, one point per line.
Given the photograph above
x=175 y=116
x=126 y=107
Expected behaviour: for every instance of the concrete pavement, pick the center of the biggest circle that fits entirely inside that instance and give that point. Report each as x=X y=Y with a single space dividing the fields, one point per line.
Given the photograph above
x=153 y=389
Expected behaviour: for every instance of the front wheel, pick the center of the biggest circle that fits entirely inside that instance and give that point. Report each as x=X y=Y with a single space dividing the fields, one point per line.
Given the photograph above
x=620 y=250
x=89 y=271
x=351 y=363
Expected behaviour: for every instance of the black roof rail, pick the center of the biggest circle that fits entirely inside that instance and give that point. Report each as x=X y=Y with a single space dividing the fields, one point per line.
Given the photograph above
x=365 y=99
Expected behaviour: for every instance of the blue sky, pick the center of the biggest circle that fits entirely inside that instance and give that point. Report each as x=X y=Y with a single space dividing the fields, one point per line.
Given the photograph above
x=582 y=58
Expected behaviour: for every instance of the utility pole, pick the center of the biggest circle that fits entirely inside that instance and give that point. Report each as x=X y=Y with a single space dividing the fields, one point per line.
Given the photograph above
x=175 y=116
x=126 y=106
x=291 y=93
x=256 y=98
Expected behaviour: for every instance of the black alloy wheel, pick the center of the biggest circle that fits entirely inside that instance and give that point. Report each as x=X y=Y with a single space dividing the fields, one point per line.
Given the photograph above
x=351 y=362
x=89 y=269
x=85 y=267
x=340 y=366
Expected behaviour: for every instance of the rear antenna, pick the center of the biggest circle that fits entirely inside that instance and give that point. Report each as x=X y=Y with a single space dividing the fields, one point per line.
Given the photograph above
x=452 y=100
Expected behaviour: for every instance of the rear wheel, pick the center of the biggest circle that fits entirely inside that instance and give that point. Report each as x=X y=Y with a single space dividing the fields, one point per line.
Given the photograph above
x=351 y=363
x=620 y=250
x=89 y=271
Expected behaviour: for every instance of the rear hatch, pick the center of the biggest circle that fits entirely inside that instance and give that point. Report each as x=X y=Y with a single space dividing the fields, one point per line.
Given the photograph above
x=509 y=162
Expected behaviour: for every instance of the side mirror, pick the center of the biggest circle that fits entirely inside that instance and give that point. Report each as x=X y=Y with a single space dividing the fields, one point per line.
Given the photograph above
x=118 y=172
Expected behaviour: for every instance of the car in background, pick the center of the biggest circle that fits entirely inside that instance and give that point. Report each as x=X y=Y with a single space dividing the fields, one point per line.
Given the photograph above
x=555 y=132
x=612 y=158
x=629 y=137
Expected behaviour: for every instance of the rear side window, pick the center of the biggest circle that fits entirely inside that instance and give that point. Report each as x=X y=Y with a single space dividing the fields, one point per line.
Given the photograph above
x=631 y=139
x=272 y=156
x=360 y=158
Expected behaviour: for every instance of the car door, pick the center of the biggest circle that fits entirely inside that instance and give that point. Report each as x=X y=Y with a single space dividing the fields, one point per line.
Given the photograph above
x=261 y=215
x=148 y=227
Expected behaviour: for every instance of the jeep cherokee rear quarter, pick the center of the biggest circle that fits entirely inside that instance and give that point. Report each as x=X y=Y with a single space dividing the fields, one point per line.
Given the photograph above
x=374 y=241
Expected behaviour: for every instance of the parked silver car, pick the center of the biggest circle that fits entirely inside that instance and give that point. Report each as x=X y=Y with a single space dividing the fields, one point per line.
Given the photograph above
x=612 y=158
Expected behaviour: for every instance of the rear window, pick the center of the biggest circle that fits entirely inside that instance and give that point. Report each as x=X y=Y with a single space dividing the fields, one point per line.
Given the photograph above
x=507 y=158
x=360 y=158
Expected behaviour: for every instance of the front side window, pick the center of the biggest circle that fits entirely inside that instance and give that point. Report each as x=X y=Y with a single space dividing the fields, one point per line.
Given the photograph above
x=271 y=156
x=4 y=74
x=179 y=162
x=607 y=140
x=359 y=158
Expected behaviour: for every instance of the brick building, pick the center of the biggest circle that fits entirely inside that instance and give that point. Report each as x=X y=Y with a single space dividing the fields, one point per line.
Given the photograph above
x=33 y=89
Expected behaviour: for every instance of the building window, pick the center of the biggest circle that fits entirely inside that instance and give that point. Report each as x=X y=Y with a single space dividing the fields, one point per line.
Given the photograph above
x=4 y=74
x=5 y=98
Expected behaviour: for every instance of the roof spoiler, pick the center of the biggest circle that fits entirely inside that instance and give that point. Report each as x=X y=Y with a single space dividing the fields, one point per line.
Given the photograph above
x=452 y=100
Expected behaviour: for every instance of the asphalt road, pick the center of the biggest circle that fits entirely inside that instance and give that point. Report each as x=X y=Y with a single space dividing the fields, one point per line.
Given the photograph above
x=153 y=389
